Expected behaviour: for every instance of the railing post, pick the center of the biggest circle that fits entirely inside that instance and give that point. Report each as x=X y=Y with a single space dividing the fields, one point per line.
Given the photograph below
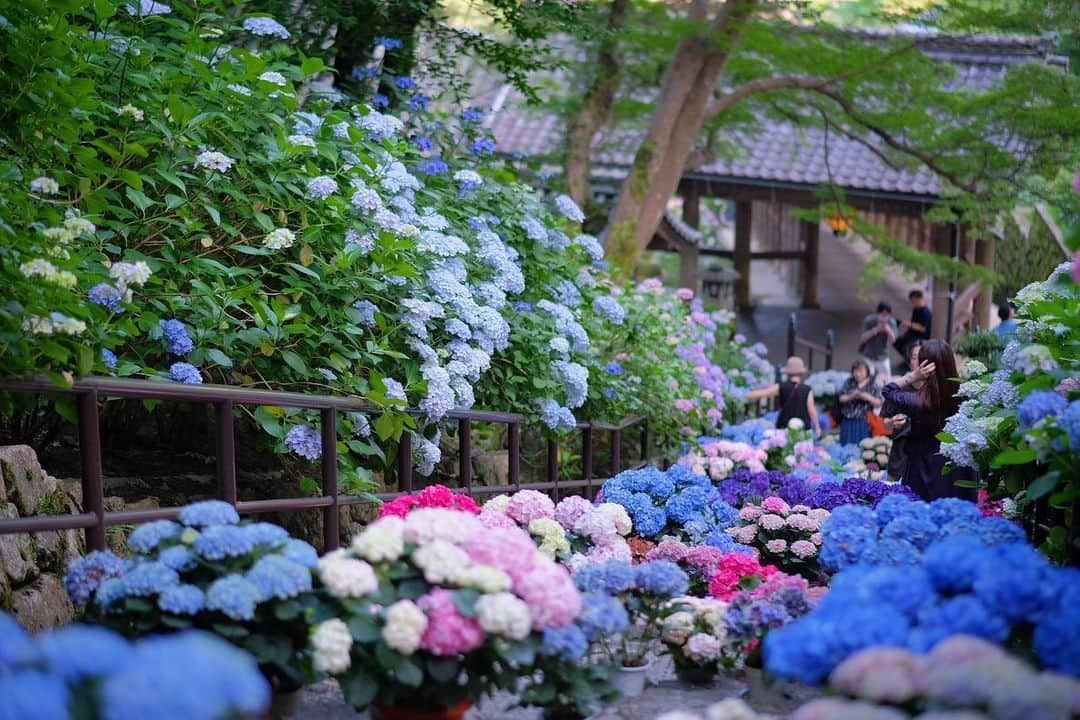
x=830 y=340
x=616 y=452
x=465 y=454
x=791 y=329
x=331 y=514
x=645 y=440
x=90 y=453
x=405 y=463
x=226 y=451
x=587 y=458
x=553 y=467
x=514 y=451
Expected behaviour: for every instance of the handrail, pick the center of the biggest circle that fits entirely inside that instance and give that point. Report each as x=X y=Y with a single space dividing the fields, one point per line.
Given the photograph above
x=794 y=341
x=94 y=520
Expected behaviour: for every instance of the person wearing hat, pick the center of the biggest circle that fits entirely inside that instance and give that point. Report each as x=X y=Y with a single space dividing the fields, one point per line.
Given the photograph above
x=796 y=397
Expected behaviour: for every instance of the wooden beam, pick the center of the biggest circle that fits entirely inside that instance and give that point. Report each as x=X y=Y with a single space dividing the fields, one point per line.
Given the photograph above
x=984 y=256
x=742 y=253
x=811 y=239
x=939 y=299
x=806 y=197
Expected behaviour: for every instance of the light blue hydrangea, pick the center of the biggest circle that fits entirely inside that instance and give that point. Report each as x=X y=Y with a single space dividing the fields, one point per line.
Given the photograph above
x=610 y=308
x=277 y=576
x=300 y=552
x=185 y=373
x=148 y=536
x=182 y=600
x=264 y=533
x=107 y=296
x=576 y=380
x=149 y=579
x=233 y=595
x=223 y=541
x=555 y=416
x=178 y=557
x=1038 y=405
x=304 y=441
x=321 y=187
x=366 y=310
x=177 y=340
x=86 y=574
x=394 y=390
x=209 y=512
x=265 y=27
x=34 y=694
x=569 y=209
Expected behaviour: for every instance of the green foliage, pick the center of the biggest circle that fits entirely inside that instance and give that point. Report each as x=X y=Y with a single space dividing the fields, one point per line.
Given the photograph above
x=985 y=347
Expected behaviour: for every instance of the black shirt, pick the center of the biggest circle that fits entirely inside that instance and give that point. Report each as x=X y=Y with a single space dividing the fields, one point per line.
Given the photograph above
x=924 y=317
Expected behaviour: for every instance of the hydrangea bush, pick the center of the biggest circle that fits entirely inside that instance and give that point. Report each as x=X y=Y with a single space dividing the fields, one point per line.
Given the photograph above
x=434 y=608
x=787 y=536
x=1020 y=425
x=248 y=582
x=90 y=672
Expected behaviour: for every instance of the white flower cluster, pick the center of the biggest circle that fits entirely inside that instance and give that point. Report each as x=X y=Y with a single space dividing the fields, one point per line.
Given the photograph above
x=54 y=323
x=405 y=625
x=48 y=271
x=279 y=239
x=348 y=577
x=214 y=160
x=504 y=614
x=332 y=643
x=44 y=186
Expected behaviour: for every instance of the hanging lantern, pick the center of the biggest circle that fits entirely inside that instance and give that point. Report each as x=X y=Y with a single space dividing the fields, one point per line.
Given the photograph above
x=839 y=224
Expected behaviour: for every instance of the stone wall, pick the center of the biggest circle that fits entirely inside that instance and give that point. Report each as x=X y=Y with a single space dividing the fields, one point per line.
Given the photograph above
x=32 y=565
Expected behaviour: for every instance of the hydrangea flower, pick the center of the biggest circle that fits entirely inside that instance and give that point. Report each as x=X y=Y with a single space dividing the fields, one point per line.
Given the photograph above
x=214 y=160
x=610 y=308
x=44 y=186
x=321 y=187
x=279 y=577
x=304 y=441
x=85 y=575
x=274 y=78
x=107 y=296
x=266 y=27
x=185 y=373
x=233 y=595
x=1038 y=405
x=149 y=535
x=177 y=340
x=182 y=600
x=109 y=358
x=209 y=512
x=218 y=542
x=279 y=239
x=569 y=209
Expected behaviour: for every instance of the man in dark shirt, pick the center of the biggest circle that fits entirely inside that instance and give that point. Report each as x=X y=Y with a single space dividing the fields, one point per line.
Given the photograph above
x=918 y=327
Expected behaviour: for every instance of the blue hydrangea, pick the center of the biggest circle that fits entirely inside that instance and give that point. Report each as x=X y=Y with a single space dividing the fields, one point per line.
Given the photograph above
x=1069 y=421
x=209 y=512
x=33 y=694
x=906 y=589
x=185 y=373
x=321 y=187
x=87 y=573
x=892 y=552
x=109 y=591
x=177 y=341
x=178 y=557
x=107 y=296
x=75 y=652
x=601 y=616
x=1023 y=592
x=576 y=381
x=686 y=505
x=961 y=615
x=1056 y=639
x=149 y=579
x=109 y=358
x=300 y=552
x=277 y=576
x=614 y=368
x=304 y=441
x=433 y=166
x=367 y=309
x=233 y=595
x=892 y=506
x=483 y=146
x=1038 y=405
x=569 y=209
x=419 y=102
x=998 y=530
x=148 y=536
x=265 y=27
x=648 y=520
x=394 y=390
x=722 y=541
x=946 y=510
x=223 y=541
x=555 y=416
x=954 y=563
x=566 y=643
x=852 y=516
x=182 y=600
x=609 y=307
x=661 y=577
x=16 y=646
x=379 y=100
x=264 y=533
x=187 y=675
x=919 y=531
x=608 y=578
x=389 y=43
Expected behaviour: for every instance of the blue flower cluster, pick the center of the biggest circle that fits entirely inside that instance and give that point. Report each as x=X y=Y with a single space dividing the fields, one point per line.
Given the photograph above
x=177 y=341
x=905 y=586
x=115 y=680
x=601 y=616
x=1038 y=405
x=675 y=502
x=747 y=619
x=660 y=578
x=185 y=373
x=304 y=441
x=746 y=486
x=85 y=574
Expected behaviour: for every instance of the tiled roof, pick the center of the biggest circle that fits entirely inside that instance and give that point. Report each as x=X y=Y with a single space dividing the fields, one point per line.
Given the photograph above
x=784 y=152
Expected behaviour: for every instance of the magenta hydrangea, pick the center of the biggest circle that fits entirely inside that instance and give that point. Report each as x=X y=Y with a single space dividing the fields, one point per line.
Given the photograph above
x=448 y=632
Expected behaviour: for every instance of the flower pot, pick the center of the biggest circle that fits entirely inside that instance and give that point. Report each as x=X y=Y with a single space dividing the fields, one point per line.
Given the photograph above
x=695 y=675
x=630 y=681
x=399 y=712
x=760 y=691
x=283 y=704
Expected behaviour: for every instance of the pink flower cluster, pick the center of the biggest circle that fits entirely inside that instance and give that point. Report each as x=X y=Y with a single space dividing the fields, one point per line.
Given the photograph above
x=434 y=496
x=448 y=632
x=736 y=572
x=702 y=560
x=777 y=581
x=528 y=505
x=720 y=458
x=778 y=528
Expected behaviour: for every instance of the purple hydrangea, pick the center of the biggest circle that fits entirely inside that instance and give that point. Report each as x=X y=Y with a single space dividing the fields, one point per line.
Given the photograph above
x=304 y=441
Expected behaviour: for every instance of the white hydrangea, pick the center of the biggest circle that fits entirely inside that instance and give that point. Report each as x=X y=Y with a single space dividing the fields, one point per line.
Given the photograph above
x=301 y=141
x=504 y=614
x=484 y=578
x=440 y=561
x=425 y=525
x=569 y=209
x=279 y=239
x=78 y=225
x=265 y=27
x=381 y=541
x=129 y=275
x=214 y=160
x=1034 y=358
x=499 y=503
x=55 y=323
x=239 y=89
x=618 y=515
x=332 y=643
x=347 y=577
x=131 y=111
x=44 y=186
x=405 y=625
x=546 y=528
x=274 y=78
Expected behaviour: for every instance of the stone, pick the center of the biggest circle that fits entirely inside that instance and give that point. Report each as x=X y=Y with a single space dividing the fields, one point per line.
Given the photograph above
x=493 y=467
x=112 y=503
x=148 y=503
x=57 y=549
x=16 y=551
x=42 y=604
x=73 y=488
x=22 y=477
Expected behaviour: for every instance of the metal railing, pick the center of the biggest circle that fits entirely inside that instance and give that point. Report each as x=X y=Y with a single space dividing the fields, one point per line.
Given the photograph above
x=796 y=343
x=94 y=519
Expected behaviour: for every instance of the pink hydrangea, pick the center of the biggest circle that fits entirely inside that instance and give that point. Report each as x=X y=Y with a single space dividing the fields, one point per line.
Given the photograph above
x=803 y=549
x=776 y=545
x=448 y=632
x=746 y=534
x=433 y=496
x=733 y=567
x=684 y=294
x=771 y=522
x=684 y=405
x=672 y=550
x=511 y=550
x=496 y=519
x=714 y=414
x=798 y=521
x=749 y=512
x=618 y=550
x=775 y=504
x=879 y=674
x=778 y=581
x=570 y=509
x=816 y=538
x=800 y=508
x=550 y=594
x=598 y=528
x=528 y=505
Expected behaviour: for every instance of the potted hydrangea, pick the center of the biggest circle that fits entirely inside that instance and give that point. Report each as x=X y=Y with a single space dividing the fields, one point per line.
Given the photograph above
x=433 y=609
x=248 y=582
x=695 y=637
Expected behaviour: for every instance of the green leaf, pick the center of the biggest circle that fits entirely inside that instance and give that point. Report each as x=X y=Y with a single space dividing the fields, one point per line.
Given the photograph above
x=295 y=362
x=387 y=658
x=103 y=10
x=364 y=629
x=359 y=689
x=132 y=178
x=1041 y=486
x=312 y=65
x=229 y=631
x=287 y=610
x=213 y=213
x=172 y=179
x=219 y=357
x=140 y=200
x=442 y=669
x=409 y=673
x=1019 y=456
x=465 y=601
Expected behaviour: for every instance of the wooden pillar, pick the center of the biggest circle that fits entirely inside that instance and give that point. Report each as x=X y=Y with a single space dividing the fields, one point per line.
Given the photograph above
x=688 y=253
x=984 y=256
x=939 y=298
x=811 y=232
x=743 y=213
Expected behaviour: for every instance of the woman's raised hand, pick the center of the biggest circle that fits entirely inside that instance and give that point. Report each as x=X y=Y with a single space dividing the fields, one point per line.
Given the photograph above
x=925 y=370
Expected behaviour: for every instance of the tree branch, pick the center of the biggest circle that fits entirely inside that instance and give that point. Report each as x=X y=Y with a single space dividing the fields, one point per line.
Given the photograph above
x=762 y=85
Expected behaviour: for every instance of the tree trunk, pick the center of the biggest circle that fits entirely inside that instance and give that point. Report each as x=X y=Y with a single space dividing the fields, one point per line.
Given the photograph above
x=679 y=115
x=596 y=107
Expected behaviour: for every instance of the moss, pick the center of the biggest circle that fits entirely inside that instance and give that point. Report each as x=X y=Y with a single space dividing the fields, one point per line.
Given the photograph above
x=622 y=248
x=640 y=173
x=52 y=503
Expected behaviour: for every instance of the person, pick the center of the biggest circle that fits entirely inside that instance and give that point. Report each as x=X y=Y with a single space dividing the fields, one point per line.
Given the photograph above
x=930 y=401
x=897 y=424
x=878 y=332
x=1007 y=314
x=918 y=327
x=858 y=396
x=796 y=397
